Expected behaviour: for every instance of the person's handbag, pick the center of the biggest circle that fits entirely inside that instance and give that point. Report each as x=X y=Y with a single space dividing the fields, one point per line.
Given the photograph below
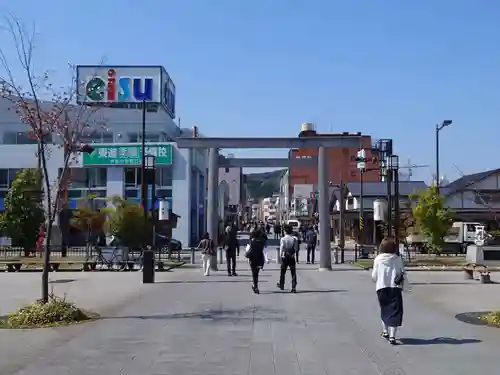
x=248 y=251
x=399 y=279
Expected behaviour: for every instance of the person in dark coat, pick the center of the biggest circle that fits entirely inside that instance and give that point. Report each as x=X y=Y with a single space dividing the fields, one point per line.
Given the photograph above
x=389 y=275
x=232 y=245
x=255 y=255
x=311 y=240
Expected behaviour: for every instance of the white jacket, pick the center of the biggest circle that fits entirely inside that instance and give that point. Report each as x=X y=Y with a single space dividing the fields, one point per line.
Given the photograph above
x=385 y=268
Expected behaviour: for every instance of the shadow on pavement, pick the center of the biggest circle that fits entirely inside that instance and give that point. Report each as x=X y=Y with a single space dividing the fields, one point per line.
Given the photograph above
x=208 y=280
x=472 y=282
x=250 y=314
x=438 y=340
x=303 y=291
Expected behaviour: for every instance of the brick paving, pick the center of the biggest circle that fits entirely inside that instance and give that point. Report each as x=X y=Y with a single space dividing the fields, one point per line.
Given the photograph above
x=190 y=324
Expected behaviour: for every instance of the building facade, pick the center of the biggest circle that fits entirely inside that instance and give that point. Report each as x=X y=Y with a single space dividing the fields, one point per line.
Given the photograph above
x=342 y=164
x=113 y=168
x=233 y=178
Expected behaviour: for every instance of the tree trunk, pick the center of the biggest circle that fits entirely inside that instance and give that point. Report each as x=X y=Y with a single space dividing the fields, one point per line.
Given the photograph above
x=46 y=263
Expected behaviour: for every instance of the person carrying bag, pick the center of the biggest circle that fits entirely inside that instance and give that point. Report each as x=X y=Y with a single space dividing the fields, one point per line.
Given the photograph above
x=206 y=246
x=390 y=278
x=255 y=254
x=288 y=250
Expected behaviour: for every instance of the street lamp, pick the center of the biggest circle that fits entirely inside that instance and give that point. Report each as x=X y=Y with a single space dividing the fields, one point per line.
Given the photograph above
x=148 y=177
x=439 y=127
x=392 y=165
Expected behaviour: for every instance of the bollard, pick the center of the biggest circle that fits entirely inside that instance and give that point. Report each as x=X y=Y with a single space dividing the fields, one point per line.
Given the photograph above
x=221 y=259
x=148 y=268
x=485 y=278
x=278 y=256
x=193 y=255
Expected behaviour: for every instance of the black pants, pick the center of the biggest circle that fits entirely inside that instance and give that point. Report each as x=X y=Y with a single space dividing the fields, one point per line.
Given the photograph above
x=288 y=262
x=231 y=261
x=255 y=275
x=311 y=250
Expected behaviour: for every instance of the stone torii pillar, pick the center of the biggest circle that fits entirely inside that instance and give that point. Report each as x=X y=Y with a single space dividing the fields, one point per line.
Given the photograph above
x=212 y=204
x=325 y=252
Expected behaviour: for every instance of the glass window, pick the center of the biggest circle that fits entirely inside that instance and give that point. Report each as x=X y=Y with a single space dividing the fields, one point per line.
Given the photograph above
x=97 y=177
x=130 y=176
x=107 y=137
x=164 y=175
x=133 y=137
x=74 y=193
x=164 y=193
x=78 y=178
x=131 y=193
x=12 y=175
x=9 y=138
x=4 y=178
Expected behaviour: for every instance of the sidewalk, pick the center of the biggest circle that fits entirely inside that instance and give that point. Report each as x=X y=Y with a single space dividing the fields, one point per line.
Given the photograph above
x=190 y=324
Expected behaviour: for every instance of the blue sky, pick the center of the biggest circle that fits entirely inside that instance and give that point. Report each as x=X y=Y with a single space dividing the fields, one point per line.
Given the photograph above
x=388 y=68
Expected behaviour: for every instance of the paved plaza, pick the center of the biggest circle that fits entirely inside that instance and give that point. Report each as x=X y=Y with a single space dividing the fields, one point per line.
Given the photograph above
x=188 y=324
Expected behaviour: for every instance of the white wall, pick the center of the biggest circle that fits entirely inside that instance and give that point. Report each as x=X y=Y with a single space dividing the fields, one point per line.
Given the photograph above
x=233 y=178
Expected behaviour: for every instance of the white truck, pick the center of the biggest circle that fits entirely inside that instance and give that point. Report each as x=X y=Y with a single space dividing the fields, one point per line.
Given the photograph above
x=461 y=234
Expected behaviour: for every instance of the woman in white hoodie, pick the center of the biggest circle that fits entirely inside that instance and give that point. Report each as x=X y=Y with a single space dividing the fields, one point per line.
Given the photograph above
x=389 y=274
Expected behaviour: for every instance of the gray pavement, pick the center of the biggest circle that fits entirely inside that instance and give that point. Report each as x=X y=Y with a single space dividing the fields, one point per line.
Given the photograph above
x=190 y=324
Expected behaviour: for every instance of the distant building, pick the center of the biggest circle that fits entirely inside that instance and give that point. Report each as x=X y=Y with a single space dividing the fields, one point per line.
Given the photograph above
x=474 y=196
x=341 y=162
x=234 y=179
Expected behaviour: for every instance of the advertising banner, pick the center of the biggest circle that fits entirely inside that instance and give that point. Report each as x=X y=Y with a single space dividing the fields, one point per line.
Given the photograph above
x=120 y=84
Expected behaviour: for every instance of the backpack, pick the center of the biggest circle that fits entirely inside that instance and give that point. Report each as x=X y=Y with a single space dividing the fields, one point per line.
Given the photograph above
x=314 y=237
x=290 y=251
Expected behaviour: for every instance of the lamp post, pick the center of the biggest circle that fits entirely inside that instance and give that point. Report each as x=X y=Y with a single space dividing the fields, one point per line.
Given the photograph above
x=393 y=172
x=148 y=177
x=439 y=127
x=149 y=171
x=361 y=165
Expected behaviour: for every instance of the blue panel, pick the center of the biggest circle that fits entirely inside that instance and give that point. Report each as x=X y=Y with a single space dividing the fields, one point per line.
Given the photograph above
x=2 y=205
x=73 y=203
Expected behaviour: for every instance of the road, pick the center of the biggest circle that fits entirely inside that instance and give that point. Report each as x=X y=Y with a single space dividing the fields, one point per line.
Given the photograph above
x=190 y=324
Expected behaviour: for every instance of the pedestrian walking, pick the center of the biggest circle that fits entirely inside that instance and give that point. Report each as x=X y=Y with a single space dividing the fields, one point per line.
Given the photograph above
x=389 y=275
x=206 y=246
x=232 y=245
x=255 y=255
x=288 y=248
x=311 y=240
x=277 y=231
x=297 y=236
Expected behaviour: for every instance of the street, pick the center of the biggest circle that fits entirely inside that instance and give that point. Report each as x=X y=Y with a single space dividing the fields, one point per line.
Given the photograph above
x=190 y=324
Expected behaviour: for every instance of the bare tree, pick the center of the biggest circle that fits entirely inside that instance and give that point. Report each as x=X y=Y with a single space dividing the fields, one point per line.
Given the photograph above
x=52 y=118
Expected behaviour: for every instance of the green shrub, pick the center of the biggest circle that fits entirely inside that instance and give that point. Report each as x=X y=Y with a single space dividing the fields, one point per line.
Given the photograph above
x=492 y=318
x=57 y=311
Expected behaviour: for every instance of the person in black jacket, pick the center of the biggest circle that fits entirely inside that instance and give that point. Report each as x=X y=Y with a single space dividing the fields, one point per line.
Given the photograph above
x=255 y=257
x=232 y=245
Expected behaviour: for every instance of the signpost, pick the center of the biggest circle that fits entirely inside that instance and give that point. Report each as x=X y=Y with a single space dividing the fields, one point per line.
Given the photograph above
x=127 y=155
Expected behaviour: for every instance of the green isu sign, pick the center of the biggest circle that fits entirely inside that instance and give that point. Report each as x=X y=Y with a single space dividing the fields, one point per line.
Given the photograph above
x=127 y=155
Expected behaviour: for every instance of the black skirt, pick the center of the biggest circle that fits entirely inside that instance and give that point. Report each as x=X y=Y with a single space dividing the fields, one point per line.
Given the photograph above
x=391 y=306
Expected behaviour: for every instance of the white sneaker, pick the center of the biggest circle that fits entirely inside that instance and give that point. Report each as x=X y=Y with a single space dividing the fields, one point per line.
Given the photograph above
x=207 y=274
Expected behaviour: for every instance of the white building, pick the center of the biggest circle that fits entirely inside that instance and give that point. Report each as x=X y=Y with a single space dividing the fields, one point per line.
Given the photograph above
x=233 y=179
x=112 y=169
x=284 y=201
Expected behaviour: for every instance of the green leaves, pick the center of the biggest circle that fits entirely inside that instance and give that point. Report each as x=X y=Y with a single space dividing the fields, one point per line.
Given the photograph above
x=126 y=222
x=432 y=218
x=24 y=211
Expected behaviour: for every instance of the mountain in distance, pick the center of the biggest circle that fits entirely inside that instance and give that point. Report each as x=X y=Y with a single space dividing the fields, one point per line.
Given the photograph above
x=262 y=185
